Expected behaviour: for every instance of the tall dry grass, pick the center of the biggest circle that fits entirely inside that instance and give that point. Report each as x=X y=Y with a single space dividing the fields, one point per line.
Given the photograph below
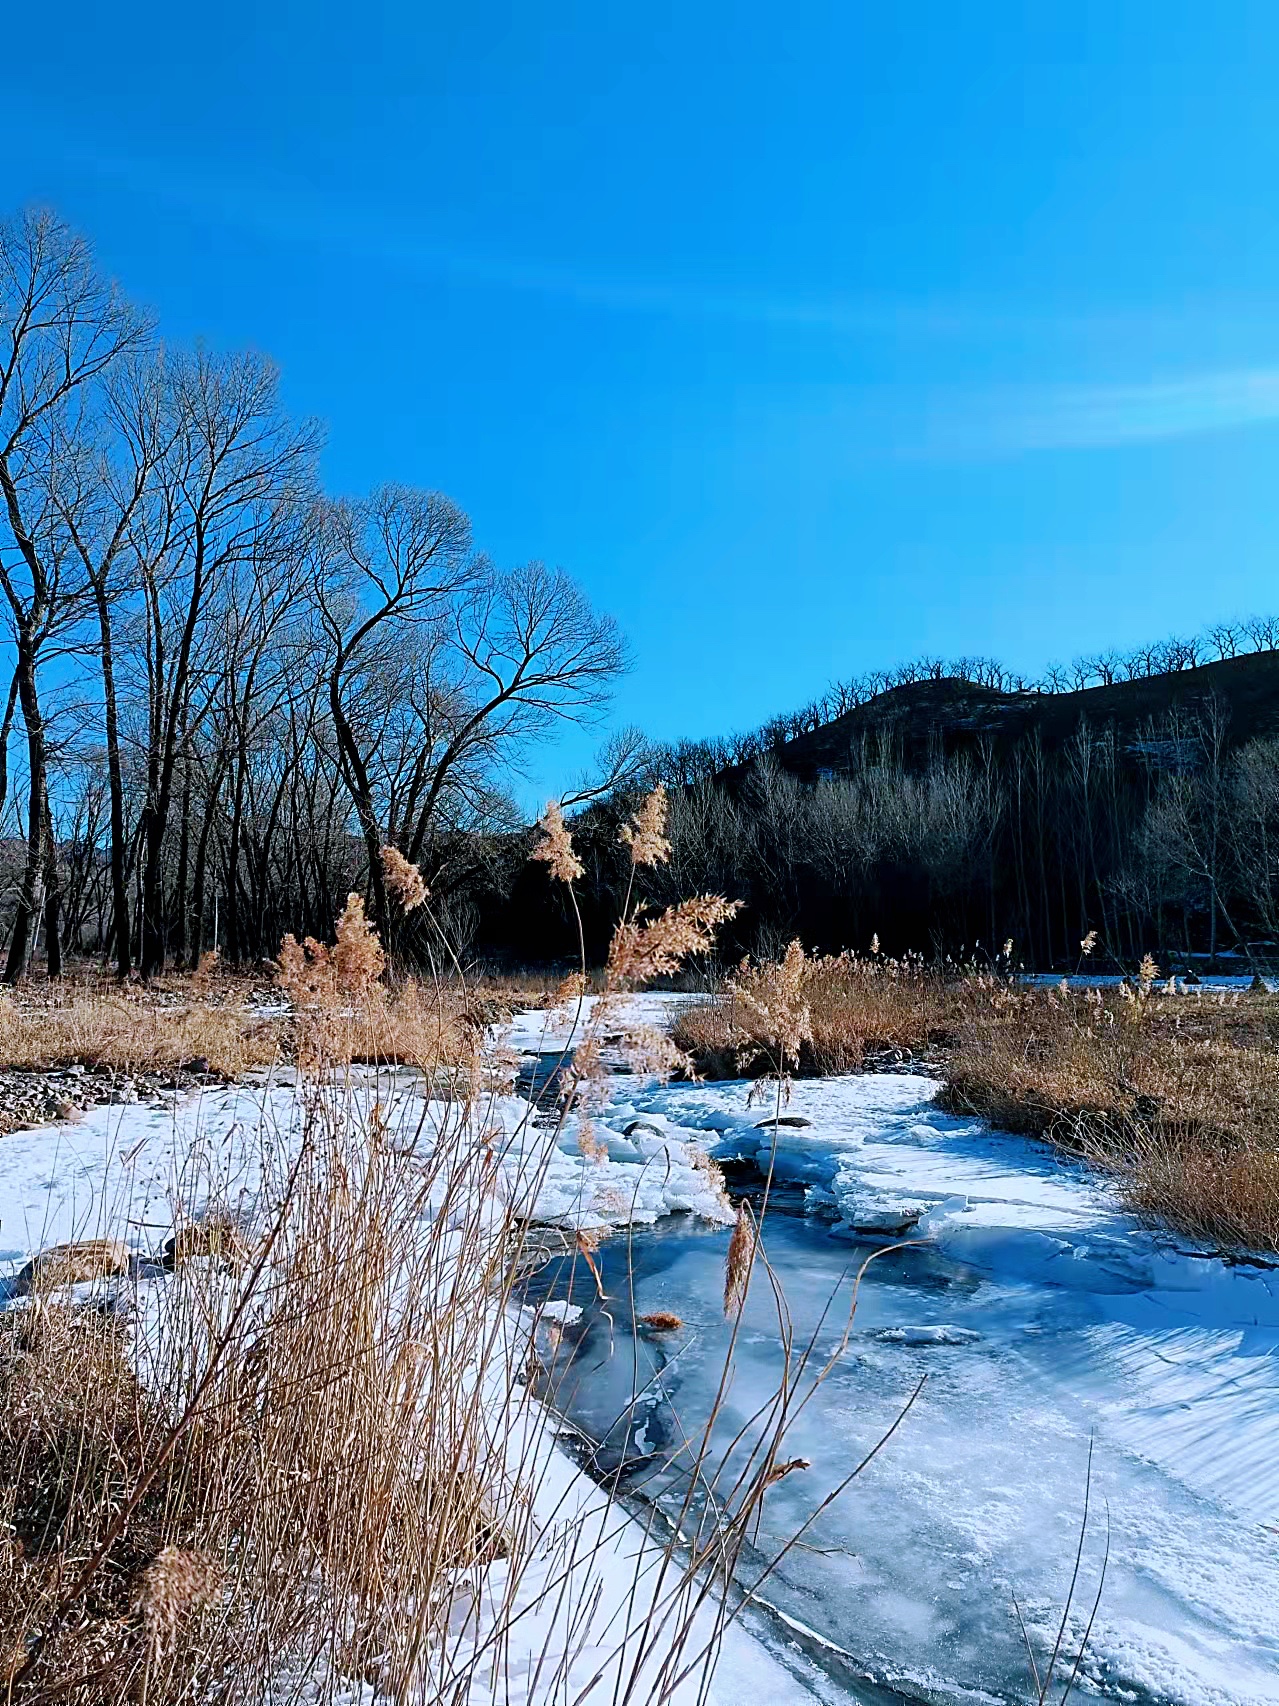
x=93 y=1024
x=861 y=1010
x=308 y=1461
x=1174 y=1093
x=223 y=1024
x=289 y=1466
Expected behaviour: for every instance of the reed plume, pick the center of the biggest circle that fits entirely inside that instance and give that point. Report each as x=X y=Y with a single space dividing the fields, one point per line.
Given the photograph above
x=655 y=947
x=645 y=833
x=403 y=878
x=740 y=1260
x=177 y=1581
x=555 y=849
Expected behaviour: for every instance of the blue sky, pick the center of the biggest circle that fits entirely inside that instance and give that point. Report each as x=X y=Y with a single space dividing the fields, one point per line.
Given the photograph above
x=807 y=338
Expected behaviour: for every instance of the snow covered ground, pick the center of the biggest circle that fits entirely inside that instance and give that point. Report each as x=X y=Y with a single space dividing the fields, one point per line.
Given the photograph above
x=130 y=1172
x=1044 y=1319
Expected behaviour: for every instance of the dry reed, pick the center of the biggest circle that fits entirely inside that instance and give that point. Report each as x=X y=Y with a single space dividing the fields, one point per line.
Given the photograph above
x=834 y=1013
x=1174 y=1093
x=94 y=1025
x=403 y=879
x=311 y=1451
x=739 y=1260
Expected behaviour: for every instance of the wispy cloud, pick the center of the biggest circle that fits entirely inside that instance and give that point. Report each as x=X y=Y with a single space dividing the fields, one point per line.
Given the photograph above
x=896 y=419
x=1023 y=419
x=290 y=211
x=909 y=422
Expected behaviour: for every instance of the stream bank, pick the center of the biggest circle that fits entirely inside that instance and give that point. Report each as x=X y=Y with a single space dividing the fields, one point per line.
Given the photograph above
x=1047 y=1324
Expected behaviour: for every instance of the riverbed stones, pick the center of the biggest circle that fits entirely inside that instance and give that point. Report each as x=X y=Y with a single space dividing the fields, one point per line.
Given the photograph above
x=217 y=1238
x=60 y=1094
x=73 y=1264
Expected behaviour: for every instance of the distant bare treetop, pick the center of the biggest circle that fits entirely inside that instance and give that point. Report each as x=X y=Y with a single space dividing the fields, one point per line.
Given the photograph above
x=1225 y=640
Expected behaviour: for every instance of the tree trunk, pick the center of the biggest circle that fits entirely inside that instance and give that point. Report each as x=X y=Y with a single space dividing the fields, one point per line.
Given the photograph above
x=115 y=782
x=6 y=729
x=154 y=935
x=29 y=894
x=234 y=933
x=201 y=866
x=52 y=892
x=184 y=853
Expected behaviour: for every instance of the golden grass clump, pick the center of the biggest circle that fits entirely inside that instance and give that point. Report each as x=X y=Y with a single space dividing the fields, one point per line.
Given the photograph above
x=662 y=1321
x=358 y=960
x=1176 y=1095
x=298 y=1459
x=1223 y=1195
x=645 y=832
x=1045 y=1062
x=403 y=879
x=773 y=1000
x=76 y=1430
x=823 y=1013
x=344 y=1013
x=304 y=971
x=205 y=971
x=555 y=848
x=423 y=1025
x=127 y=1032
x=314 y=975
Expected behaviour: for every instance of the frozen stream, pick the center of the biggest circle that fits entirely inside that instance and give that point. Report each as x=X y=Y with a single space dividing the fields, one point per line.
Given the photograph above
x=1043 y=1320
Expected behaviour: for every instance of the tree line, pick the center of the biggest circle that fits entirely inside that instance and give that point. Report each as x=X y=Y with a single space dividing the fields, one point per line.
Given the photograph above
x=225 y=691
x=1160 y=835
x=691 y=760
x=228 y=689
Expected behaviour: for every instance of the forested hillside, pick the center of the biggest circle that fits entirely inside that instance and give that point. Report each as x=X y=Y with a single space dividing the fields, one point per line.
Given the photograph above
x=942 y=812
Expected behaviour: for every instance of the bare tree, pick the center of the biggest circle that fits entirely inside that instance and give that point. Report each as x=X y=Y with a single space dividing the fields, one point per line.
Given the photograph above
x=397 y=563
x=62 y=328
x=480 y=659
x=225 y=496
x=107 y=479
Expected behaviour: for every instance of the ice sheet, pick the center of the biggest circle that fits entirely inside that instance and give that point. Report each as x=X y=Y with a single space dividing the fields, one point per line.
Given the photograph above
x=1044 y=1319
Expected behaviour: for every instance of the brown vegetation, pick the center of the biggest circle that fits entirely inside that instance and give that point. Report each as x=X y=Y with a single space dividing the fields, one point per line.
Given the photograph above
x=1174 y=1093
x=76 y=1426
x=296 y=1454
x=858 y=1012
x=72 y=1264
x=97 y=1024
x=662 y=1321
x=322 y=1441
x=212 y=1023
